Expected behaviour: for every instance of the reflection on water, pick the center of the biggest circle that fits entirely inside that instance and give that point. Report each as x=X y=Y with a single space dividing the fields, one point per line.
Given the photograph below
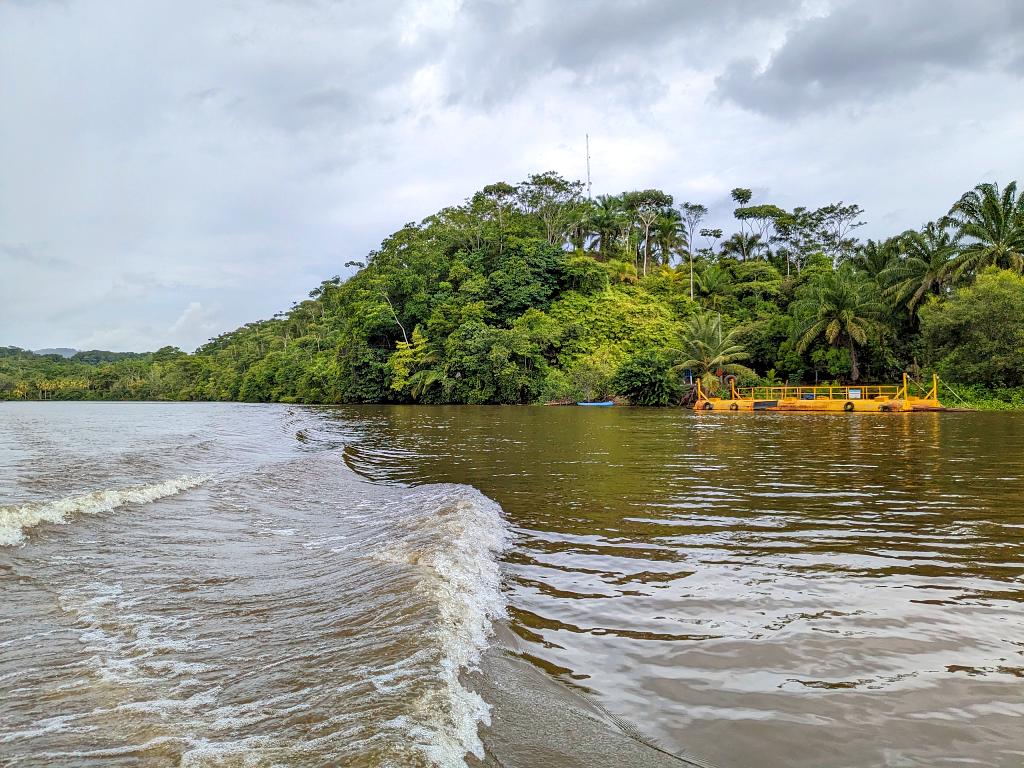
x=761 y=590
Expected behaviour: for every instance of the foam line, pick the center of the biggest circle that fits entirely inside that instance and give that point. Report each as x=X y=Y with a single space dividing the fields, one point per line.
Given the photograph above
x=15 y=520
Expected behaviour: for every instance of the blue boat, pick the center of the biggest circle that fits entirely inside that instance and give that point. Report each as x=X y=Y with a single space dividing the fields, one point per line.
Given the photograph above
x=603 y=403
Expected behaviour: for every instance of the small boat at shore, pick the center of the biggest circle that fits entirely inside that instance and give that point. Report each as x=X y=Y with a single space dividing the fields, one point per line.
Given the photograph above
x=871 y=398
x=601 y=404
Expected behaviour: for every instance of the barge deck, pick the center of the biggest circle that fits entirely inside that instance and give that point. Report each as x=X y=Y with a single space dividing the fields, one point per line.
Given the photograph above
x=871 y=398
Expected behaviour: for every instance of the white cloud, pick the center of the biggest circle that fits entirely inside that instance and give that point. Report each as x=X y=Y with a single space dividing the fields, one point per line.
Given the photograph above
x=196 y=321
x=228 y=156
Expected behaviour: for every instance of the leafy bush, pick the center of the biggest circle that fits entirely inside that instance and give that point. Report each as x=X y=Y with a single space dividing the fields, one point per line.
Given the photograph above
x=980 y=398
x=585 y=275
x=647 y=379
x=976 y=336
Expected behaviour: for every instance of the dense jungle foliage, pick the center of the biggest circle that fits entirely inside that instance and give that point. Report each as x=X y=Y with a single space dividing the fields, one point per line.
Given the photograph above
x=531 y=292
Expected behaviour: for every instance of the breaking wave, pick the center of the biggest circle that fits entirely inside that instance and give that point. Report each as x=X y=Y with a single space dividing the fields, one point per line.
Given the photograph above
x=15 y=520
x=454 y=541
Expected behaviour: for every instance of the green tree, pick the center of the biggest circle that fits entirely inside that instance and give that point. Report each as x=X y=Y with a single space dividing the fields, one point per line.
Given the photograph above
x=606 y=220
x=646 y=378
x=712 y=236
x=409 y=363
x=691 y=215
x=840 y=306
x=708 y=352
x=797 y=235
x=646 y=206
x=714 y=285
x=743 y=246
x=761 y=220
x=921 y=268
x=584 y=274
x=553 y=200
x=976 y=335
x=835 y=224
x=669 y=235
x=874 y=257
x=992 y=223
x=741 y=195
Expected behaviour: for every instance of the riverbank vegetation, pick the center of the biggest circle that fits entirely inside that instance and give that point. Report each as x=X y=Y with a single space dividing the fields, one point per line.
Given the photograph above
x=531 y=293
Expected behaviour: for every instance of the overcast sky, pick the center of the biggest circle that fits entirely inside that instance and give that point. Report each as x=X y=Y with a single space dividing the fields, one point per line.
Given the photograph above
x=170 y=170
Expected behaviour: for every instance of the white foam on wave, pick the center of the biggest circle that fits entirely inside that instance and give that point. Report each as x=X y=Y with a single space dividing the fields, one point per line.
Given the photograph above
x=15 y=520
x=128 y=647
x=456 y=543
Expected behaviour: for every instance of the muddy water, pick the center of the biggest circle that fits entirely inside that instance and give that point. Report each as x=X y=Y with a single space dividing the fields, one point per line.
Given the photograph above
x=270 y=585
x=757 y=589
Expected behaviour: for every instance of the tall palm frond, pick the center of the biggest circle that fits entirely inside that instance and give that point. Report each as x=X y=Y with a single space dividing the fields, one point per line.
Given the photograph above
x=992 y=223
x=707 y=351
x=744 y=246
x=423 y=380
x=669 y=235
x=922 y=268
x=606 y=221
x=842 y=307
x=713 y=284
x=875 y=257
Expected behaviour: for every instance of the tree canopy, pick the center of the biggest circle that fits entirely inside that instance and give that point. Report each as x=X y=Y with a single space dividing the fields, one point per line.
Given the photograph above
x=531 y=292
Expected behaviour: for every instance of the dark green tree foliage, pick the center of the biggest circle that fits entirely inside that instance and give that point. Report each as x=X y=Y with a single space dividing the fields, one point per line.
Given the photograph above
x=977 y=334
x=842 y=308
x=531 y=292
x=94 y=356
x=918 y=265
x=648 y=378
x=992 y=222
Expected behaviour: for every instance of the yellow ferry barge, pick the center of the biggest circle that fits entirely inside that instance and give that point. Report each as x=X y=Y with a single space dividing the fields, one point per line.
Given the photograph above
x=849 y=399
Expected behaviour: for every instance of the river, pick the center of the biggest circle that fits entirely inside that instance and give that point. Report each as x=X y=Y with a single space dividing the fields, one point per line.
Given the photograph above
x=258 y=585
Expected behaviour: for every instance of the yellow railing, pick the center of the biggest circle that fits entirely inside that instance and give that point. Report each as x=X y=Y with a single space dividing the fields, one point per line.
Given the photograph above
x=851 y=392
x=865 y=392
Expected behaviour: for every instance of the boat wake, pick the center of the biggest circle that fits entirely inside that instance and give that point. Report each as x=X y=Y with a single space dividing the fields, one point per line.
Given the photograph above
x=349 y=633
x=15 y=520
x=452 y=536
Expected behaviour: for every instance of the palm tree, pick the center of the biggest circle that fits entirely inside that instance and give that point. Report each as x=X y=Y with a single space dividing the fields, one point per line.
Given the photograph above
x=605 y=224
x=708 y=352
x=713 y=284
x=423 y=380
x=922 y=268
x=579 y=224
x=840 y=306
x=743 y=245
x=875 y=257
x=993 y=223
x=669 y=235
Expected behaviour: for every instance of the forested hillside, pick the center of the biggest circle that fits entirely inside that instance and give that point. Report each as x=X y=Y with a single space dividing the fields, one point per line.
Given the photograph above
x=531 y=292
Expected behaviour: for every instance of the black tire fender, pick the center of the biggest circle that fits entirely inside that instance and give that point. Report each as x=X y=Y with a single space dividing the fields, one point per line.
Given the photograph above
x=708 y=406
x=848 y=406
x=733 y=407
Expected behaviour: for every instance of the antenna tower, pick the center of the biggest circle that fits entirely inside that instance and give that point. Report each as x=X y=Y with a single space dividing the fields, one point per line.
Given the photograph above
x=588 y=167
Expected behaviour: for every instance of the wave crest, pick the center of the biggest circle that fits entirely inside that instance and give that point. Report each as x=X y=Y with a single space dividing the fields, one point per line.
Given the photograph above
x=15 y=520
x=455 y=542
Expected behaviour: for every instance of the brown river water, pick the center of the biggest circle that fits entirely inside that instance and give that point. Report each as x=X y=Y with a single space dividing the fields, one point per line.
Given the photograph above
x=273 y=585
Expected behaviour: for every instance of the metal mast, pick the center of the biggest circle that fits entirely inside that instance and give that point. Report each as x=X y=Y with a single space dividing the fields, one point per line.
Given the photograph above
x=588 y=167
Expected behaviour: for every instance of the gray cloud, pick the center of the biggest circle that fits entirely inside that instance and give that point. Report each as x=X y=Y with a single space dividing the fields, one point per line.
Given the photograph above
x=499 y=48
x=176 y=168
x=20 y=253
x=863 y=51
